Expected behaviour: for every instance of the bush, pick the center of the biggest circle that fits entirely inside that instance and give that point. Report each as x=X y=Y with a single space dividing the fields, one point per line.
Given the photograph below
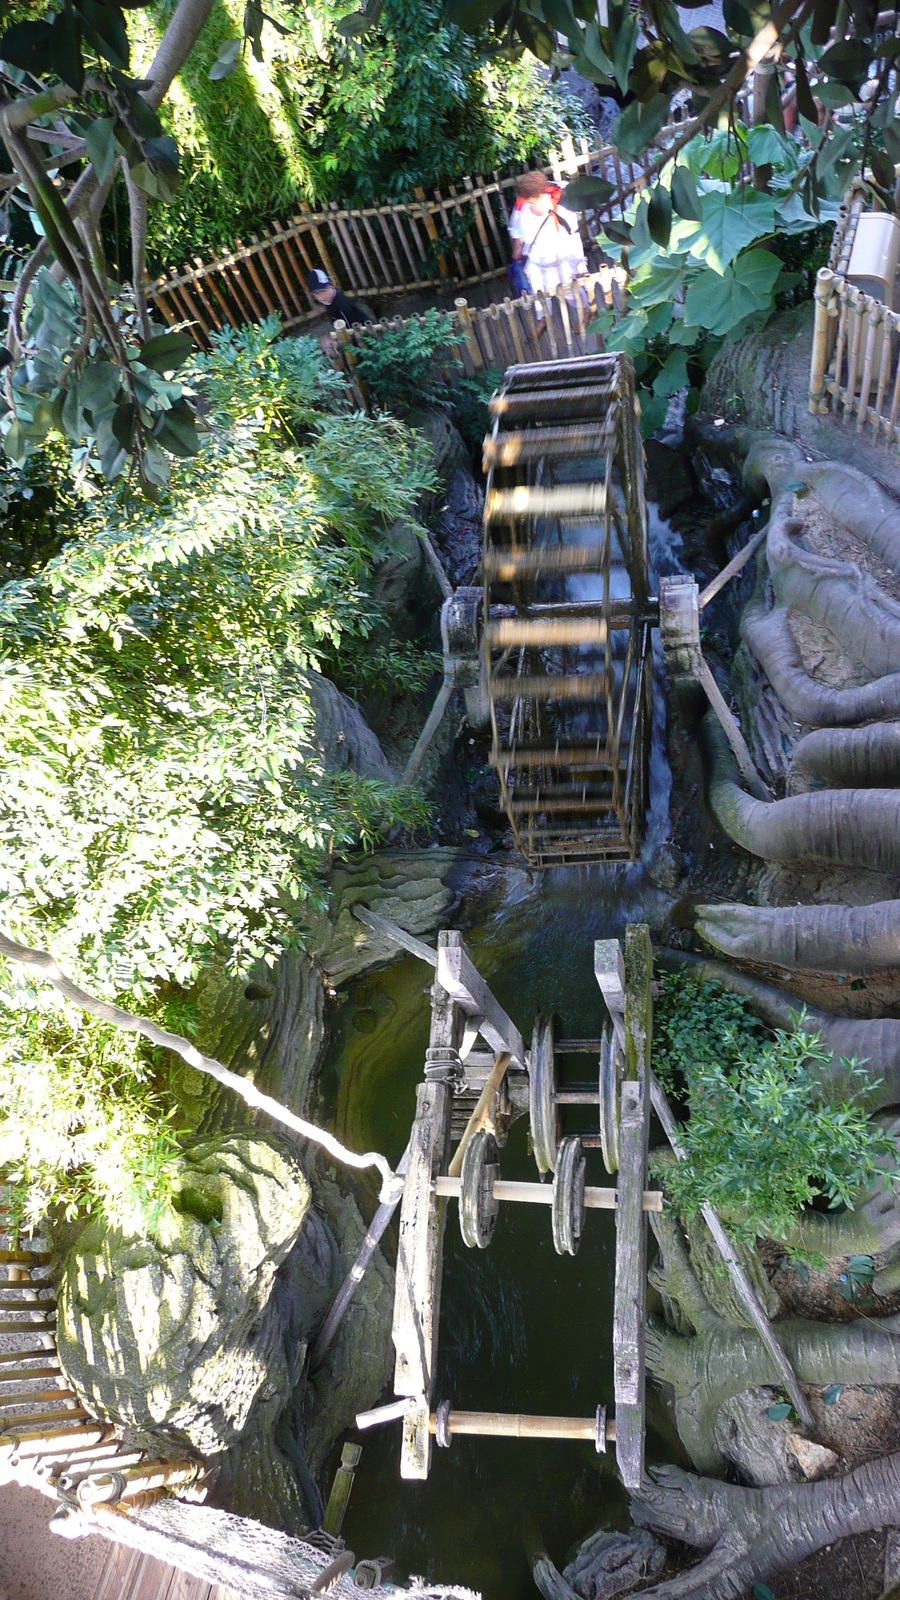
x=82 y=1127
x=160 y=792
x=406 y=367
x=763 y=1138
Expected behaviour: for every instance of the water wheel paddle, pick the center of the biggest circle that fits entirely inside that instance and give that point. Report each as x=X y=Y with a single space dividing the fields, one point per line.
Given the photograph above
x=542 y=1112
x=611 y=1064
x=568 y=1197
x=477 y=1207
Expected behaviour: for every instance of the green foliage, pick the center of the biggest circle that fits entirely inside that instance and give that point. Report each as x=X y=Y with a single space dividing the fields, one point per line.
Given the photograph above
x=392 y=669
x=403 y=368
x=710 y=263
x=285 y=384
x=160 y=791
x=317 y=119
x=81 y=1125
x=763 y=1139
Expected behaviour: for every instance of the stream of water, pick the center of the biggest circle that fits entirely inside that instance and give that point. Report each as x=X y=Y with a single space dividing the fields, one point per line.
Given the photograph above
x=522 y=1329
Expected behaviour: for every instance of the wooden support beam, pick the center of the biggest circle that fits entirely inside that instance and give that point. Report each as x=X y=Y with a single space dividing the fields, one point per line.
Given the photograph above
x=339 y=1497
x=609 y=970
x=630 y=1309
x=515 y=1425
x=735 y=565
x=461 y=980
x=417 y=1284
x=391 y=930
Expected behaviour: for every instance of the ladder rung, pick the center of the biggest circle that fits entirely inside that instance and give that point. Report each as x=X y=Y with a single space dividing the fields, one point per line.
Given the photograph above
x=546 y=631
x=520 y=561
x=551 y=402
x=585 y=686
x=555 y=500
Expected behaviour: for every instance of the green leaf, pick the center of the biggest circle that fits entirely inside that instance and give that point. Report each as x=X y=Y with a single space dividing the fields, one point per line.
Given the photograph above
x=721 y=155
x=176 y=431
x=657 y=281
x=730 y=222
x=166 y=352
x=673 y=375
x=832 y=95
x=861 y=1267
x=778 y=1412
x=882 y=168
x=105 y=26
x=832 y=1394
x=761 y=1591
x=618 y=232
x=769 y=148
x=659 y=216
x=638 y=125
x=586 y=194
x=805 y=103
x=624 y=28
x=839 y=147
x=718 y=302
x=154 y=465
x=653 y=412
x=849 y=61
x=685 y=198
x=593 y=49
x=14 y=442
x=559 y=14
x=123 y=423
x=226 y=60
x=353 y=25
x=470 y=15
x=738 y=19
x=101 y=146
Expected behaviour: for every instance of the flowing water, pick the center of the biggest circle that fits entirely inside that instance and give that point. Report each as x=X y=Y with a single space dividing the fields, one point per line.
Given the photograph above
x=522 y=1329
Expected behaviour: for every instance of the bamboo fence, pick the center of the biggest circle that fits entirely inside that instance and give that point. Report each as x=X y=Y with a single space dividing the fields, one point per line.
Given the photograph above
x=544 y=327
x=456 y=237
x=854 y=369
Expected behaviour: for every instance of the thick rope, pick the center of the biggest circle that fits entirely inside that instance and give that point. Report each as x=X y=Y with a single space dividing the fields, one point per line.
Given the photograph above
x=391 y=1183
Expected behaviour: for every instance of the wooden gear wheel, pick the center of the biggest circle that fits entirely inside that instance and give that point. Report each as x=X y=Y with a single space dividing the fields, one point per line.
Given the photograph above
x=477 y=1207
x=567 y=614
x=568 y=1197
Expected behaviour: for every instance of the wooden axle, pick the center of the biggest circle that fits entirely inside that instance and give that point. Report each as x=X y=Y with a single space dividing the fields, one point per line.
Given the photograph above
x=541 y=1194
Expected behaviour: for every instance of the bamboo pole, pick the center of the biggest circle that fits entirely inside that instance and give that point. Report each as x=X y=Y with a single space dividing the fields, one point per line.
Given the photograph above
x=482 y=1110
x=818 y=399
x=514 y=1425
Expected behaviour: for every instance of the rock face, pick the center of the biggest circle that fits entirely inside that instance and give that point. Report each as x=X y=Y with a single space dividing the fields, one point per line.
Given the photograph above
x=342 y=736
x=193 y=1330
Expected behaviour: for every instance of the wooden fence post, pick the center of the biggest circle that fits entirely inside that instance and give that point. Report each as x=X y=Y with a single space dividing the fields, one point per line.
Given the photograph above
x=464 y=317
x=824 y=296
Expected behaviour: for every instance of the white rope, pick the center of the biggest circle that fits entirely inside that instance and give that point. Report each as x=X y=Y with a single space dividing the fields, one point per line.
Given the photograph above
x=391 y=1182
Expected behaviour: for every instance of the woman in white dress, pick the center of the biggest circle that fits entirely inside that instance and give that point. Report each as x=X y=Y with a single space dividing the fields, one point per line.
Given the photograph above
x=545 y=235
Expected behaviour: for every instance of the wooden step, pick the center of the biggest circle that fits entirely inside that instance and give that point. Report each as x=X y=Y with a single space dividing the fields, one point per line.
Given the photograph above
x=568 y=500
x=507 y=449
x=520 y=561
x=577 y=686
x=550 y=631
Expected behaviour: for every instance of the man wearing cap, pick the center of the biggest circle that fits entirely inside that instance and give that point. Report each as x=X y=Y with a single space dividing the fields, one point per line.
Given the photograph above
x=333 y=301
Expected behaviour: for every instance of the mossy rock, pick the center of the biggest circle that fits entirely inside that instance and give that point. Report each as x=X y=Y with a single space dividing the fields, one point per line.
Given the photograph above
x=198 y=1328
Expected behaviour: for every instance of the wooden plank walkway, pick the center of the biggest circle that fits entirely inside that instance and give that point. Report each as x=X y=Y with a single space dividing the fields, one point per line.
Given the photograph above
x=129 y=1575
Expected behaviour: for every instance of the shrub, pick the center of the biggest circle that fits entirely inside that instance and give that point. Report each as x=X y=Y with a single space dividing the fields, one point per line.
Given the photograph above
x=404 y=368
x=764 y=1137
x=160 y=791
x=82 y=1127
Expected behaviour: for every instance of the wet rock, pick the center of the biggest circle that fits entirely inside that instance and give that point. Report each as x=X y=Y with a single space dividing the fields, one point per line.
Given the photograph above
x=342 y=737
x=194 y=1329
x=670 y=479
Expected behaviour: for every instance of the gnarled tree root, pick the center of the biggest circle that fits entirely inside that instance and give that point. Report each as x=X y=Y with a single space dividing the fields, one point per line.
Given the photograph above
x=855 y=758
x=769 y=636
x=850 y=827
x=845 y=939
x=751 y=1534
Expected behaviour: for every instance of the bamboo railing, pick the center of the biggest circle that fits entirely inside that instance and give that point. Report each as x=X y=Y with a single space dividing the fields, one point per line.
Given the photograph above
x=48 y=1439
x=545 y=327
x=456 y=237
x=854 y=369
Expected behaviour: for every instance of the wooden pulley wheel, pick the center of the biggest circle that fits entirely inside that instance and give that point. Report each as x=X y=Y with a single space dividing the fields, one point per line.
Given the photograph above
x=477 y=1206
x=542 y=1111
x=611 y=1067
x=568 y=1197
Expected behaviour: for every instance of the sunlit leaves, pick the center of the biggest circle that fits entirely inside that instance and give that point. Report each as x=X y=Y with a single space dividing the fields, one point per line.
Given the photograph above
x=719 y=302
x=638 y=125
x=729 y=222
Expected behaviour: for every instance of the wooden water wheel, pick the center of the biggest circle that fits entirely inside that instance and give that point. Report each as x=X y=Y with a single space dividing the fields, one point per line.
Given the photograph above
x=567 y=618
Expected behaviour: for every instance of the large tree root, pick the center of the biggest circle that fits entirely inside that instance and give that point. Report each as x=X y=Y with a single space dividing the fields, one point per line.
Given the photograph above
x=769 y=636
x=845 y=939
x=750 y=1534
x=850 y=827
x=860 y=758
